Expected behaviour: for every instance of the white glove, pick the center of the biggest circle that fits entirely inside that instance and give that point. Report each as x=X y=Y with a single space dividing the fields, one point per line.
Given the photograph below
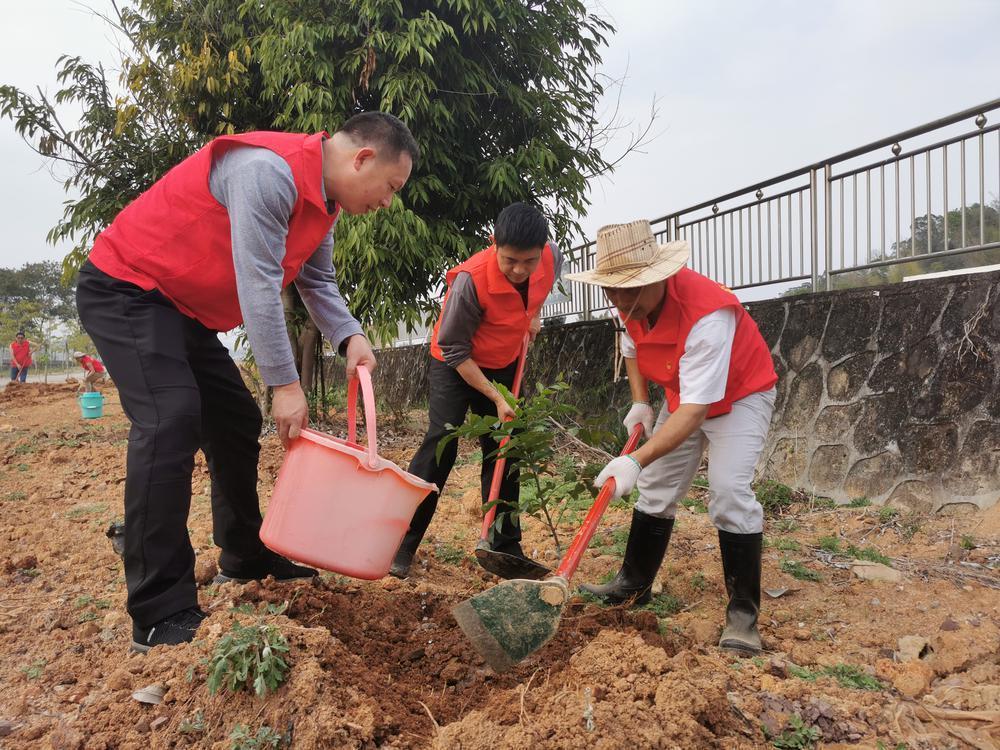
x=624 y=470
x=640 y=413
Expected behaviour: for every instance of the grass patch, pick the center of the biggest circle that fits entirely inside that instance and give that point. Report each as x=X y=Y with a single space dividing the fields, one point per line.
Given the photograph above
x=664 y=605
x=694 y=504
x=799 y=571
x=698 y=582
x=614 y=542
x=784 y=543
x=967 y=542
x=847 y=676
x=868 y=553
x=859 y=502
x=450 y=555
x=265 y=739
x=17 y=496
x=828 y=543
x=887 y=513
x=775 y=497
x=700 y=481
x=34 y=670
x=85 y=510
x=786 y=525
x=22 y=467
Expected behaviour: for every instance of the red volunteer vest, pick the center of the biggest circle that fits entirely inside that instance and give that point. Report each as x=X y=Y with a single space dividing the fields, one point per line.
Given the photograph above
x=690 y=297
x=22 y=353
x=175 y=237
x=505 y=321
x=85 y=360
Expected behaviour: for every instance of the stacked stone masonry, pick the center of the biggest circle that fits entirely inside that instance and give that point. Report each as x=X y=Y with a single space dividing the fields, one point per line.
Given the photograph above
x=889 y=393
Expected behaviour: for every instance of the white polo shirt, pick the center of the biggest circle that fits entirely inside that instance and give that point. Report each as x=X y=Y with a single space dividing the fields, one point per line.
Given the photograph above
x=704 y=366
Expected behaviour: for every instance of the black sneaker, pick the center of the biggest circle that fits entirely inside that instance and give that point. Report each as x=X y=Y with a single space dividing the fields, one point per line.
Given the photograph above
x=268 y=564
x=170 y=631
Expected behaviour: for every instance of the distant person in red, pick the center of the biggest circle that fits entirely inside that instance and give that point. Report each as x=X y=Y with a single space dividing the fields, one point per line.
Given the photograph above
x=20 y=357
x=93 y=371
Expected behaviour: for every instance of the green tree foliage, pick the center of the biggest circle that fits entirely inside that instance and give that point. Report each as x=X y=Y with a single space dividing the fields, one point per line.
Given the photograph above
x=502 y=97
x=33 y=299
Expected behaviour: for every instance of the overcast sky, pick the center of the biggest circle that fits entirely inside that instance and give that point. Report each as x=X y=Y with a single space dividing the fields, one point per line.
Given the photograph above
x=746 y=90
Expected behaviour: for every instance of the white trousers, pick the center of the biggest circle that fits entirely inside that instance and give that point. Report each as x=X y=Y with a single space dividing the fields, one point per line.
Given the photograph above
x=735 y=441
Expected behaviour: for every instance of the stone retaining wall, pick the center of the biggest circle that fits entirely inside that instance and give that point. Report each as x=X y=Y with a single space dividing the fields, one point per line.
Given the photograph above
x=890 y=393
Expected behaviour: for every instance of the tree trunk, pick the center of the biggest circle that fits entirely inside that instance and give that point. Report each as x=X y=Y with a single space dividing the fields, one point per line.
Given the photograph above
x=307 y=348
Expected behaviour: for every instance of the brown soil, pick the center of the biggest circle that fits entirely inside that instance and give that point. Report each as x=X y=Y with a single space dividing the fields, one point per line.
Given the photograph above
x=383 y=664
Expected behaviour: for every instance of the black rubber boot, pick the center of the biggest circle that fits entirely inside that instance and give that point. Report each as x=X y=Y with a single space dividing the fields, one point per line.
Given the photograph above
x=647 y=544
x=741 y=568
x=400 y=567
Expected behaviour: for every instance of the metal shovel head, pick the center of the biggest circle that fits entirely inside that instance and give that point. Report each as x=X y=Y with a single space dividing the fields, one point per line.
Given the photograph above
x=508 y=566
x=513 y=619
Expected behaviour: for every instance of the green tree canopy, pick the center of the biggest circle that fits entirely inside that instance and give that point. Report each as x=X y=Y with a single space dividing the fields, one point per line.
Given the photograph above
x=501 y=95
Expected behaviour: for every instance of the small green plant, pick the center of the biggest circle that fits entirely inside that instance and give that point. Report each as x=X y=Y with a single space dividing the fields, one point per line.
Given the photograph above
x=84 y=510
x=700 y=481
x=828 y=543
x=194 y=724
x=887 y=514
x=846 y=675
x=698 y=582
x=86 y=616
x=22 y=467
x=822 y=503
x=248 y=657
x=785 y=544
x=774 y=496
x=859 y=502
x=798 y=736
x=786 y=525
x=614 y=542
x=868 y=553
x=967 y=542
x=695 y=505
x=34 y=670
x=449 y=554
x=664 y=605
x=879 y=745
x=554 y=488
x=798 y=570
x=17 y=496
x=265 y=738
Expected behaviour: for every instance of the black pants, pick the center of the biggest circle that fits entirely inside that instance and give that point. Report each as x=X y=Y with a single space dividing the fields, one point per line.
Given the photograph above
x=182 y=391
x=450 y=400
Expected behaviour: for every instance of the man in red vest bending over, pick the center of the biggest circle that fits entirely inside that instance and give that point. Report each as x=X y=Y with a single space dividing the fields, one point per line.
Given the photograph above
x=210 y=246
x=691 y=336
x=493 y=299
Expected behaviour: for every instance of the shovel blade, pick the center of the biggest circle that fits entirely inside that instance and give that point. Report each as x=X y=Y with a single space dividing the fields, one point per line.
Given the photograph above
x=509 y=567
x=513 y=619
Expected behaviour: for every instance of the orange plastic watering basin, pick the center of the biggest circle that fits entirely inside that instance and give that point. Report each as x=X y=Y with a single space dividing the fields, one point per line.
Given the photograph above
x=338 y=505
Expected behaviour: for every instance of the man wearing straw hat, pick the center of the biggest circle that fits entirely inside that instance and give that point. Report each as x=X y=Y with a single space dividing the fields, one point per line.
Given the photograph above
x=210 y=246
x=493 y=300
x=692 y=336
x=93 y=371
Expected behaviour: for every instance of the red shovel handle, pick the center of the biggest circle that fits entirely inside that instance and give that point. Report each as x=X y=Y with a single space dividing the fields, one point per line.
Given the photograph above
x=500 y=465
x=582 y=539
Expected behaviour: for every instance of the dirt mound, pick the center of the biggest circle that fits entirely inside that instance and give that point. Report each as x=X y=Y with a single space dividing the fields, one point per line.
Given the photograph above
x=617 y=692
x=28 y=394
x=383 y=664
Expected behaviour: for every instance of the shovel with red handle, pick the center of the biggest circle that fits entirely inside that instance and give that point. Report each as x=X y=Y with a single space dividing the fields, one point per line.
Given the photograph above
x=501 y=563
x=516 y=618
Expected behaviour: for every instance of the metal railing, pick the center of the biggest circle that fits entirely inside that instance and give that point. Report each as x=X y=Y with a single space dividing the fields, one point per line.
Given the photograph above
x=844 y=221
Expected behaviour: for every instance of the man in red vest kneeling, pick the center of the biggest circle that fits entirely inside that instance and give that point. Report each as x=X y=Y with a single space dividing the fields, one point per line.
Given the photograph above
x=691 y=336
x=210 y=246
x=493 y=300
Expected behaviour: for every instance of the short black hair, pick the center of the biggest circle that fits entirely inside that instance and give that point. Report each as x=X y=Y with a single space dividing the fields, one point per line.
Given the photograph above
x=521 y=225
x=19 y=333
x=385 y=130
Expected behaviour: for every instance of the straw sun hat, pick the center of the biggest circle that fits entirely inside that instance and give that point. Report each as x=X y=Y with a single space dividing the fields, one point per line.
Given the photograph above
x=629 y=256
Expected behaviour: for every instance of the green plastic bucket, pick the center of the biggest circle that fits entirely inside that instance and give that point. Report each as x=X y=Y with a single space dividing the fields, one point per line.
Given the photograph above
x=91 y=405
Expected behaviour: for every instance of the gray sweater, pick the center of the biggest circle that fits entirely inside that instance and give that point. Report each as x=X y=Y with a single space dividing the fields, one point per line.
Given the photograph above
x=257 y=189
